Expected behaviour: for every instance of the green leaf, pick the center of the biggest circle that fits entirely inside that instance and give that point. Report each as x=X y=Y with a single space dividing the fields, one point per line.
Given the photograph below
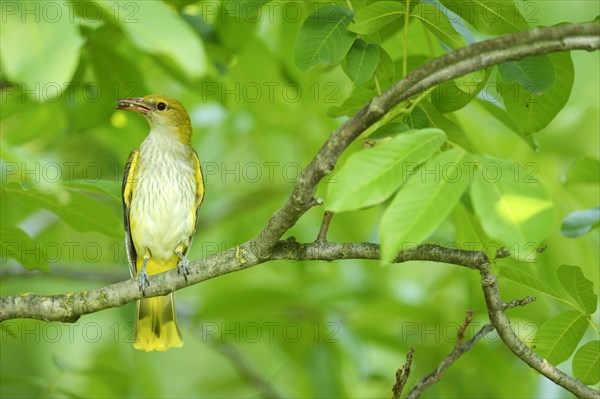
x=534 y=74
x=520 y=276
x=424 y=202
x=502 y=116
x=433 y=118
x=473 y=80
x=454 y=94
x=586 y=363
x=388 y=130
x=18 y=245
x=115 y=73
x=80 y=211
x=437 y=22
x=469 y=234
x=558 y=337
x=499 y=113
x=514 y=208
x=49 y=60
x=230 y=26
x=532 y=112
x=580 y=288
x=115 y=76
x=580 y=222
x=376 y=15
x=418 y=119
x=584 y=170
x=385 y=69
x=372 y=175
x=109 y=188
x=490 y=17
x=361 y=61
x=155 y=28
x=448 y=97
x=324 y=37
x=358 y=99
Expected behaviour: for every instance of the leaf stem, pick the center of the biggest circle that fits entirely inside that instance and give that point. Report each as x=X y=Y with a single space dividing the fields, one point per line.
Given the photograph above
x=405 y=55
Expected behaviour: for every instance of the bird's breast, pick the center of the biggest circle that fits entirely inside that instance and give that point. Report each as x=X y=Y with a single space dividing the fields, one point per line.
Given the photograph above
x=163 y=202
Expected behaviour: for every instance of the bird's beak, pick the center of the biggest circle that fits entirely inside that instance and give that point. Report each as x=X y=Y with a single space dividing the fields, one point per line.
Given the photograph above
x=135 y=104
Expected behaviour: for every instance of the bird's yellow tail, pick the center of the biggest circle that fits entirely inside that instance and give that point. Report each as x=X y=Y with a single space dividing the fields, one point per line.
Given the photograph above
x=156 y=326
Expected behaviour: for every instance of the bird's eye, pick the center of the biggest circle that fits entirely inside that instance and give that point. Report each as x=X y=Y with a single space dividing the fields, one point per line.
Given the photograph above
x=161 y=106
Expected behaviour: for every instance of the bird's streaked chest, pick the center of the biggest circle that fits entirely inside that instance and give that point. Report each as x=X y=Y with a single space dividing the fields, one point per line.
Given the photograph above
x=163 y=201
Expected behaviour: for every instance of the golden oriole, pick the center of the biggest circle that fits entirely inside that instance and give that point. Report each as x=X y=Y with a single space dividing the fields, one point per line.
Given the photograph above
x=162 y=192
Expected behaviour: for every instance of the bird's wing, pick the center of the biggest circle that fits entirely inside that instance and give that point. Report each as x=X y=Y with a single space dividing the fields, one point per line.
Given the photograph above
x=127 y=191
x=199 y=186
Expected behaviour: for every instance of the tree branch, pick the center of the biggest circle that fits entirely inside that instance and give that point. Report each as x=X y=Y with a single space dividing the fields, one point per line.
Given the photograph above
x=449 y=66
x=71 y=306
x=500 y=321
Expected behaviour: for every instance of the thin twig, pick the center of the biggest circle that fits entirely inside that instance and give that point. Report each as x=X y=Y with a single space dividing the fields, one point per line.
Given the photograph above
x=402 y=375
x=461 y=331
x=518 y=302
x=502 y=253
x=458 y=351
x=322 y=237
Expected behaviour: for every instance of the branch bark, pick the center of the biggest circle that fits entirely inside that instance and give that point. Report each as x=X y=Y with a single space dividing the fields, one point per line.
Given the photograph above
x=267 y=246
x=69 y=307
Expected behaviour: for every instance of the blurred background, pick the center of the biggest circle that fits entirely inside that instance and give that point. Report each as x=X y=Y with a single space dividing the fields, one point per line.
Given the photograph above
x=289 y=329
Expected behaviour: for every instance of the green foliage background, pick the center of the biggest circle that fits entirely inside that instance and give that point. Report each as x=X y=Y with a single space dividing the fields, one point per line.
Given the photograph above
x=261 y=108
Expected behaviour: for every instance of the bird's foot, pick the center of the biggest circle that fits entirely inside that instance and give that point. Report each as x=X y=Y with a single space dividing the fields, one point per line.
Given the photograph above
x=183 y=266
x=143 y=280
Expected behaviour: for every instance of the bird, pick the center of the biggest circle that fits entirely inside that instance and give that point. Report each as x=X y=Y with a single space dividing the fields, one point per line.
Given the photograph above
x=162 y=191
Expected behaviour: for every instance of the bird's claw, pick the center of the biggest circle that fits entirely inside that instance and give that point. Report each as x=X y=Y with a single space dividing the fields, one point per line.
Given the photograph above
x=183 y=267
x=143 y=280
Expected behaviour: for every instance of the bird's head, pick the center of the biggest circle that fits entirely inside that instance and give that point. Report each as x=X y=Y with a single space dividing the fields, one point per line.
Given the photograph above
x=161 y=112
